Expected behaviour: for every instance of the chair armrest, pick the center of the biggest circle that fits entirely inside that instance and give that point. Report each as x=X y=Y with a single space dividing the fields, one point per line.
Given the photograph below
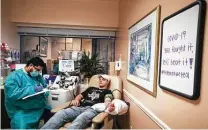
x=100 y=117
x=62 y=106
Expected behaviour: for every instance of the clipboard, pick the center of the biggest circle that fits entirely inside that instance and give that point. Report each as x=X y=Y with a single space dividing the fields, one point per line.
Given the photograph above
x=44 y=90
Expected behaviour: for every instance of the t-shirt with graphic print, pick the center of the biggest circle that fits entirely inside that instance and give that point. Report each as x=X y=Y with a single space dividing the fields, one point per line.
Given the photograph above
x=94 y=95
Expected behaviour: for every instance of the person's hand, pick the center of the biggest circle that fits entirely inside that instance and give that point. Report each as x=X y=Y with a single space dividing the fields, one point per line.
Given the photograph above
x=46 y=94
x=111 y=107
x=38 y=88
x=75 y=102
x=107 y=104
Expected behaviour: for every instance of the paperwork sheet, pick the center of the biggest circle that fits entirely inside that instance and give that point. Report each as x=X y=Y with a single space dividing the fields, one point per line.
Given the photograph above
x=44 y=90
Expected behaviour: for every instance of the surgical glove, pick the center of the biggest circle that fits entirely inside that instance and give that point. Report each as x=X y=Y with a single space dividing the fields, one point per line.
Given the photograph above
x=38 y=88
x=46 y=94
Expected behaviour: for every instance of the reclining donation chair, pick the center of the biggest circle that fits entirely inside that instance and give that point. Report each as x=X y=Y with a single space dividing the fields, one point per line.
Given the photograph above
x=103 y=119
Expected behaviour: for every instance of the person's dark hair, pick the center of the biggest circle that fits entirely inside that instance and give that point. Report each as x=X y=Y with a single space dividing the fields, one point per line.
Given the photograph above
x=36 y=61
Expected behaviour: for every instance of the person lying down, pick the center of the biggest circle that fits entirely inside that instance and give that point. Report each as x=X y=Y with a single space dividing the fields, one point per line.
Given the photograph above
x=80 y=111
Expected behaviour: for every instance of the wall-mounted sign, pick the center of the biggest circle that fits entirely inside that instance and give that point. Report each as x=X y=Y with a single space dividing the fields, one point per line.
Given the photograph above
x=181 y=50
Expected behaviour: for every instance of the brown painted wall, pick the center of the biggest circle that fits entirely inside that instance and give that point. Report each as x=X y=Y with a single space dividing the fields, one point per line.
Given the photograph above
x=8 y=29
x=0 y=20
x=135 y=118
x=100 y=13
x=175 y=111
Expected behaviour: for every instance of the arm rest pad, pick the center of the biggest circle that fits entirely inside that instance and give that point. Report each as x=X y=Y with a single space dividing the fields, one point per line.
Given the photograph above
x=100 y=117
x=62 y=106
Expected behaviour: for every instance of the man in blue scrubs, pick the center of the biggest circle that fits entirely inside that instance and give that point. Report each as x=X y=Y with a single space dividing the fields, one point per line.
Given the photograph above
x=26 y=113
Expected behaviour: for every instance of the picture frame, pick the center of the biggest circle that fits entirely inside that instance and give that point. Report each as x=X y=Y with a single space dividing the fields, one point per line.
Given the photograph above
x=143 y=52
x=181 y=50
x=43 y=46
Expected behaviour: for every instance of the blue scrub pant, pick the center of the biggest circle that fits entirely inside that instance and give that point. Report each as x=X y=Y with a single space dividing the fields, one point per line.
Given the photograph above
x=81 y=117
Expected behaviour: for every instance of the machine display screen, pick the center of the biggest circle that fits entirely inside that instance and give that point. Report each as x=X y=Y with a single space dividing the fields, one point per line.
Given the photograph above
x=66 y=65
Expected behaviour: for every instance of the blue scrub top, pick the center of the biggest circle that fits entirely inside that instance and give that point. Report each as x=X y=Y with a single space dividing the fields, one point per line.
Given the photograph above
x=24 y=114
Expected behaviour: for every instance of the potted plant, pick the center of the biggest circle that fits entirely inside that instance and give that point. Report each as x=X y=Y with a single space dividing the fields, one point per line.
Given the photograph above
x=90 y=66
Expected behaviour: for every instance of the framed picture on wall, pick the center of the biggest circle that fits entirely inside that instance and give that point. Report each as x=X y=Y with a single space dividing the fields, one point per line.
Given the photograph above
x=143 y=52
x=181 y=50
x=43 y=48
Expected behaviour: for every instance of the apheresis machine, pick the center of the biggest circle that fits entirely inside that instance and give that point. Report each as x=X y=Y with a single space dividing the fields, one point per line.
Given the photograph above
x=64 y=87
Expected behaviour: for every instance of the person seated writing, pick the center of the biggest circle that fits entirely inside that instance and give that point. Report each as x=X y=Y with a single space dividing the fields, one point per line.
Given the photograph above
x=81 y=112
x=26 y=113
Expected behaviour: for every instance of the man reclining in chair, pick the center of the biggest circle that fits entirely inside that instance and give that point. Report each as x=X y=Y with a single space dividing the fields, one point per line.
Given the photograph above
x=81 y=112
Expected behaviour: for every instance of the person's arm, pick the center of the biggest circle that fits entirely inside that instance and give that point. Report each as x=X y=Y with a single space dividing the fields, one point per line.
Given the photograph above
x=36 y=102
x=78 y=98
x=76 y=101
x=42 y=81
x=14 y=91
x=108 y=99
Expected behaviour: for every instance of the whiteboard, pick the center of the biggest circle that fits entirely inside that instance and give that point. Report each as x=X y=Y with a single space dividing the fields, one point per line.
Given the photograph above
x=180 y=56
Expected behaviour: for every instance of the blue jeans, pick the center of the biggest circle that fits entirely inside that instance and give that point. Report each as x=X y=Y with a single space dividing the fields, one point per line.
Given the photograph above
x=81 y=117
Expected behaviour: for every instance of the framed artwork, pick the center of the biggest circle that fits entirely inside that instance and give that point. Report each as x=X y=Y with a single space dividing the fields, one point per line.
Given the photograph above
x=143 y=52
x=43 y=46
x=181 y=50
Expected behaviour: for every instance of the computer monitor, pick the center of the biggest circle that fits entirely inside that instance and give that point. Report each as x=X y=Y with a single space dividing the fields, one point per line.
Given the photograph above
x=66 y=65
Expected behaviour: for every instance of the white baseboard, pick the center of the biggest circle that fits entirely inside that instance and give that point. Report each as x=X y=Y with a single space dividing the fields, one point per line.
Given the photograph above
x=150 y=114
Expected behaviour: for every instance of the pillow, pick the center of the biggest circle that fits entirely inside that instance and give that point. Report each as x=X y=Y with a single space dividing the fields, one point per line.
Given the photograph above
x=99 y=107
x=120 y=107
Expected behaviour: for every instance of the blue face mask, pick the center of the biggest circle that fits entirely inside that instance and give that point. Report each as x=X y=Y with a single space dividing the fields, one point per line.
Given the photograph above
x=34 y=73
